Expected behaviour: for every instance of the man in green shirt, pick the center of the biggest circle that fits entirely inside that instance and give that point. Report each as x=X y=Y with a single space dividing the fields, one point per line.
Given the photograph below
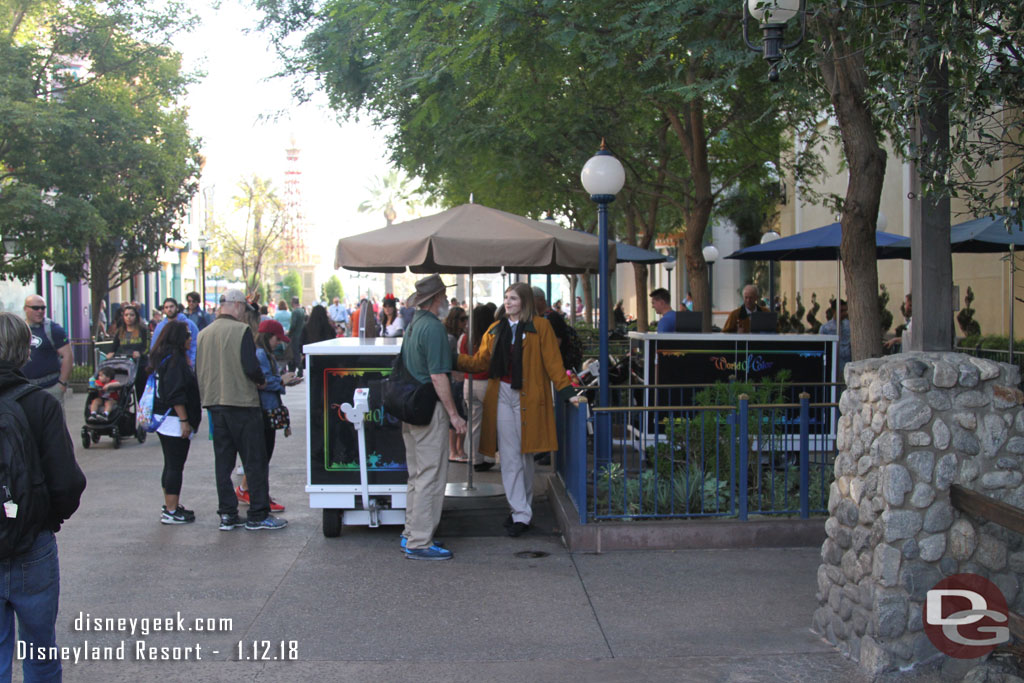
x=428 y=358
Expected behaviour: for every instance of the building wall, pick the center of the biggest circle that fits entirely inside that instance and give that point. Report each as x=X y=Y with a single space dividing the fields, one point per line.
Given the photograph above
x=986 y=274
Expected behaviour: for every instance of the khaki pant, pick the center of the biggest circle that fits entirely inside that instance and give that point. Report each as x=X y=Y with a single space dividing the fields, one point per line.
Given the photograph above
x=426 y=457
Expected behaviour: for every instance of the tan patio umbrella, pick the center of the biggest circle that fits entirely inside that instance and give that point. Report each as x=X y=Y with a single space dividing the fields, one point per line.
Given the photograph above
x=471 y=238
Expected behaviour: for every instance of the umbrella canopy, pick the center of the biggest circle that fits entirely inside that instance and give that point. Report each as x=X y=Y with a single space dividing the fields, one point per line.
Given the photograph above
x=628 y=253
x=820 y=244
x=471 y=238
x=979 y=236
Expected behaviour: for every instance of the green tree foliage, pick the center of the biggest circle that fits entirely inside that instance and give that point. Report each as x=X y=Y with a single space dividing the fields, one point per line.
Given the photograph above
x=252 y=242
x=96 y=159
x=332 y=288
x=507 y=100
x=291 y=285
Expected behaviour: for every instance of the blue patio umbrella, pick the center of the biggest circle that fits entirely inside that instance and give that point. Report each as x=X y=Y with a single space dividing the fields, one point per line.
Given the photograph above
x=820 y=244
x=984 y=235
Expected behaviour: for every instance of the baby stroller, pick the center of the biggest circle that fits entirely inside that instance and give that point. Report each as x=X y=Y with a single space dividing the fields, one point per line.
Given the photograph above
x=119 y=423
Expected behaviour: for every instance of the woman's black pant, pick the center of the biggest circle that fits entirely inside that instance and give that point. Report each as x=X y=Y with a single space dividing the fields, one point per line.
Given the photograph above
x=175 y=454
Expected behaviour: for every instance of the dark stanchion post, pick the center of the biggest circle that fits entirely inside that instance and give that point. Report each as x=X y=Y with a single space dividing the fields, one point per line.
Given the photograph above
x=733 y=455
x=576 y=456
x=805 y=419
x=744 y=454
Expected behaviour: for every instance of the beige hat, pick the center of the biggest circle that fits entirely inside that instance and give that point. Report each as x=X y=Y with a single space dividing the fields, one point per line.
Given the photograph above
x=427 y=288
x=233 y=296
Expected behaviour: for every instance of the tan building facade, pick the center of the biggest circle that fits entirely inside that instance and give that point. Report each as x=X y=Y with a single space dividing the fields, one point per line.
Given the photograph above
x=988 y=275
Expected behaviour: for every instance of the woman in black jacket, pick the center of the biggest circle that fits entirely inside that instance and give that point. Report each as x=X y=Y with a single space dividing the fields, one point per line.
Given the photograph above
x=177 y=401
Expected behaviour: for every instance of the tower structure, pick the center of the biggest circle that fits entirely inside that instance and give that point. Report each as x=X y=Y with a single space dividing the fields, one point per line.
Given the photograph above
x=297 y=254
x=296 y=235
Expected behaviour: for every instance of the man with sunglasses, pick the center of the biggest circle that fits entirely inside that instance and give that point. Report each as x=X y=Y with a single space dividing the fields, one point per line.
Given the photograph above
x=50 y=362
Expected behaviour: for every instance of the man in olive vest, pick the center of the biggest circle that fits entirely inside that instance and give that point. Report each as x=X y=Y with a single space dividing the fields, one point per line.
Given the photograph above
x=229 y=381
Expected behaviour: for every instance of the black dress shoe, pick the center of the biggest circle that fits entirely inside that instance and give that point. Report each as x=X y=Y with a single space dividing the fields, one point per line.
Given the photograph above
x=507 y=522
x=483 y=466
x=518 y=529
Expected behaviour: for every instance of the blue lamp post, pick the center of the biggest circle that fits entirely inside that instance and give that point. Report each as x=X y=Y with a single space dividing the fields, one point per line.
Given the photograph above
x=603 y=177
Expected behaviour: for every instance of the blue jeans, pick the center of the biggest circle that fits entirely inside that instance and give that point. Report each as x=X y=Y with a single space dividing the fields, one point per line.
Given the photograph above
x=30 y=588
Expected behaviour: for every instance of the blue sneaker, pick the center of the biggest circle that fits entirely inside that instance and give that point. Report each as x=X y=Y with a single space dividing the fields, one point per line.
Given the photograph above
x=403 y=540
x=434 y=552
x=268 y=523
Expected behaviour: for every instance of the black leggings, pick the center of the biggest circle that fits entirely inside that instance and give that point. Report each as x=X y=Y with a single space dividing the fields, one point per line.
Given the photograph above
x=175 y=454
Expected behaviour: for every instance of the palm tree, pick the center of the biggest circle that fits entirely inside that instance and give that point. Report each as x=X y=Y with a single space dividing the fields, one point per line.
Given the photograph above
x=394 y=187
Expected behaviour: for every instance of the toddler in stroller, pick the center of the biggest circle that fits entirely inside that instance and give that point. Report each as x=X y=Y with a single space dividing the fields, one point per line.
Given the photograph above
x=111 y=404
x=107 y=395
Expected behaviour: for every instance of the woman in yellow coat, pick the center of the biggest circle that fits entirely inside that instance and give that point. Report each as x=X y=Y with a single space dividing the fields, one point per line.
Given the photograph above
x=520 y=354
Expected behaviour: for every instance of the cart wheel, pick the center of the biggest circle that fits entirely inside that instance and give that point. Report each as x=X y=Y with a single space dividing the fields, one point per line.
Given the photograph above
x=332 y=523
x=115 y=434
x=85 y=438
x=140 y=434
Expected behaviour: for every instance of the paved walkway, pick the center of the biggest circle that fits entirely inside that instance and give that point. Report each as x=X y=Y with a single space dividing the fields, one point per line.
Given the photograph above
x=353 y=609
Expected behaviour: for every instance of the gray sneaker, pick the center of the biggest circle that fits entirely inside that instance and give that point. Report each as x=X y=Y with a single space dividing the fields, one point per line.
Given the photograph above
x=229 y=522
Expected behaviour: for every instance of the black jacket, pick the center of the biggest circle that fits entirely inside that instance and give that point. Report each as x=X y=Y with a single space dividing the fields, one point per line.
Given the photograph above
x=64 y=478
x=177 y=384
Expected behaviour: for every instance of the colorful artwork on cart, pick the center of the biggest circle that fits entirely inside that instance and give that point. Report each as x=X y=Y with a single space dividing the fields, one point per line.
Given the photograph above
x=385 y=450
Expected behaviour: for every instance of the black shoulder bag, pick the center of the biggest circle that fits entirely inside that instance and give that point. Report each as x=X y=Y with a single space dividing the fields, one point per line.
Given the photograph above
x=403 y=397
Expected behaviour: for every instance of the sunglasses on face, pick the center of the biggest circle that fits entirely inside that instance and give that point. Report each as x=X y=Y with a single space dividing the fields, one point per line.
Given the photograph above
x=37 y=308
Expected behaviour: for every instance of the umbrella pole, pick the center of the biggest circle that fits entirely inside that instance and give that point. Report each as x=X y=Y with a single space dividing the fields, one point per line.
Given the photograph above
x=467 y=489
x=1013 y=271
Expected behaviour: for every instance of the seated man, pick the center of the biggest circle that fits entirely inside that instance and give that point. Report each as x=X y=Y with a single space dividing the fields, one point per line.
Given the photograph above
x=738 y=321
x=831 y=327
x=661 y=301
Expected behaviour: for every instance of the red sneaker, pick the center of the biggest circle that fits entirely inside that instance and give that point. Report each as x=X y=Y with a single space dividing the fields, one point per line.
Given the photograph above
x=243 y=496
x=274 y=505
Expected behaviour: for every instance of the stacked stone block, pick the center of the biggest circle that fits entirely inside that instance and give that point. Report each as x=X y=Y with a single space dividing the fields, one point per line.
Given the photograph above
x=912 y=425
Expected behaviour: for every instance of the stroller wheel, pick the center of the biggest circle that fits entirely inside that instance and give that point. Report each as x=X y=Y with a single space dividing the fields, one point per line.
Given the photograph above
x=95 y=437
x=115 y=434
x=86 y=440
x=140 y=434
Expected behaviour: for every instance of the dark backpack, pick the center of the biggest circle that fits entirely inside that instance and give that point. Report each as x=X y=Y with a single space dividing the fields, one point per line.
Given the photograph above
x=22 y=485
x=572 y=349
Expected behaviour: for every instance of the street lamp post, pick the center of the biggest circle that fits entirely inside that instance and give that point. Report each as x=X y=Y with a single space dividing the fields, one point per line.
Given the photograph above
x=203 y=243
x=710 y=256
x=766 y=238
x=603 y=177
x=215 y=270
x=773 y=15
x=668 y=268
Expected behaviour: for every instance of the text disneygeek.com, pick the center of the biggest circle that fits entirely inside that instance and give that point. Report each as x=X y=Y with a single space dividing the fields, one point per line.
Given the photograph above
x=142 y=650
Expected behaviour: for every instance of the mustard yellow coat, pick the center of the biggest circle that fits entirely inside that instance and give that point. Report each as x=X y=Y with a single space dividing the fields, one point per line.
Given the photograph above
x=542 y=364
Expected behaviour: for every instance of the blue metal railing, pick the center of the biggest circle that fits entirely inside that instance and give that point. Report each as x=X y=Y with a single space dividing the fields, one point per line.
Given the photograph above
x=701 y=461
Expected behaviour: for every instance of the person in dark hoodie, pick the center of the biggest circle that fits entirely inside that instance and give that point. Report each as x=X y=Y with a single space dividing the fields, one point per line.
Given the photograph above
x=29 y=569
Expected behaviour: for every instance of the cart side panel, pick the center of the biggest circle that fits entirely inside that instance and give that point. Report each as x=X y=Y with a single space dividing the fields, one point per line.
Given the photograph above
x=334 y=444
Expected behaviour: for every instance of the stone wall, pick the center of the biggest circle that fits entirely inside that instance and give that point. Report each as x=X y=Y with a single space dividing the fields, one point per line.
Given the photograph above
x=912 y=425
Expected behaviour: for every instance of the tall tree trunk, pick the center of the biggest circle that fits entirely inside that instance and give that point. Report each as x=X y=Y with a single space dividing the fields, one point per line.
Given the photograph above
x=845 y=76
x=588 y=299
x=688 y=125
